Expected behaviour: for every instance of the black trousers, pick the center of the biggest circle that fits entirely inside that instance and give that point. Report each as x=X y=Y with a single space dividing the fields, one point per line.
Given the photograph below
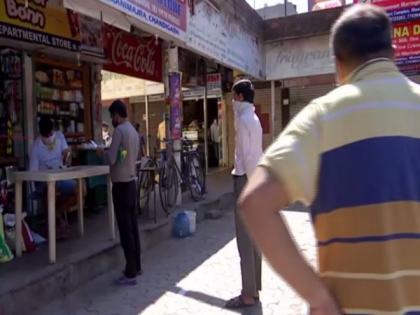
x=125 y=196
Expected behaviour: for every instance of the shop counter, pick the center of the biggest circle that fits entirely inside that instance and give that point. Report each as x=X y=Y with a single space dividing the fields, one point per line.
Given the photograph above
x=51 y=177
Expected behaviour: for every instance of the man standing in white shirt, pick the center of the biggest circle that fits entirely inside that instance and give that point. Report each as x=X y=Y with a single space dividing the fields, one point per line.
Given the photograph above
x=248 y=150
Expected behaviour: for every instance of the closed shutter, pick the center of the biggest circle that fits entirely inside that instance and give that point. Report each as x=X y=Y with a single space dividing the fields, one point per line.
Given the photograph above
x=302 y=96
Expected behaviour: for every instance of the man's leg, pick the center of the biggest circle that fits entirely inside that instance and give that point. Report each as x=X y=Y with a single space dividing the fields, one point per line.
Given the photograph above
x=122 y=200
x=246 y=248
x=258 y=269
x=135 y=228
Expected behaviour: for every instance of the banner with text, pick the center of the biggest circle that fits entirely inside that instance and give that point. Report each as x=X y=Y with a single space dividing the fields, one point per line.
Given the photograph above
x=38 y=22
x=175 y=102
x=405 y=16
x=132 y=55
x=219 y=36
x=169 y=16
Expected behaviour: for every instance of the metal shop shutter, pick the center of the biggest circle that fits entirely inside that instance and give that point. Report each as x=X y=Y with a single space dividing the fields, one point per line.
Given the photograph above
x=301 y=96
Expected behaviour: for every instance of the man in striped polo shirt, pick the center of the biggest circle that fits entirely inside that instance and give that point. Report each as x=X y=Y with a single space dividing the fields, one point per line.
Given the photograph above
x=354 y=157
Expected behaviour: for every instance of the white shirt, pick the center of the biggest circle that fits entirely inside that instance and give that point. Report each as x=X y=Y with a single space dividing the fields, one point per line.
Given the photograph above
x=214 y=132
x=45 y=157
x=248 y=139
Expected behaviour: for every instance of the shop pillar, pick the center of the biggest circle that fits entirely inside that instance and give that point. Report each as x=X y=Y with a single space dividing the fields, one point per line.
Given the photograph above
x=171 y=68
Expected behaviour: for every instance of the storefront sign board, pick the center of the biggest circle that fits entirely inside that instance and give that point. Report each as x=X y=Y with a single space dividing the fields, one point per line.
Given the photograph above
x=132 y=55
x=299 y=58
x=219 y=36
x=39 y=23
x=405 y=16
x=168 y=16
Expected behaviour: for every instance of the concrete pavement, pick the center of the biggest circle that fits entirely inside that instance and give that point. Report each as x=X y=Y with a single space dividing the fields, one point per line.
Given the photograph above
x=190 y=276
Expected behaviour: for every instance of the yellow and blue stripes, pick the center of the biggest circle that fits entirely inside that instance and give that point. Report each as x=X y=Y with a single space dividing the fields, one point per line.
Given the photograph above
x=354 y=156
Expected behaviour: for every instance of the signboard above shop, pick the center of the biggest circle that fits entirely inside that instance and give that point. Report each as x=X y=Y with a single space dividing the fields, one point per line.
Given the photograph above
x=317 y=5
x=299 y=58
x=220 y=36
x=132 y=55
x=39 y=22
x=168 y=16
x=405 y=16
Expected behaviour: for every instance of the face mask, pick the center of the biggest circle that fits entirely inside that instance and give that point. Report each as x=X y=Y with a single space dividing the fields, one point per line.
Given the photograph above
x=49 y=142
x=238 y=106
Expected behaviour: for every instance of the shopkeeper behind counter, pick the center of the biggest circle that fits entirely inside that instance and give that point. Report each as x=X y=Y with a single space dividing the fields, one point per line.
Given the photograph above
x=51 y=151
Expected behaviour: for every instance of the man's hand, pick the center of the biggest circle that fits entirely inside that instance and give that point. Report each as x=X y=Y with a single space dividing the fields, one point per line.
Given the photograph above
x=324 y=304
x=259 y=204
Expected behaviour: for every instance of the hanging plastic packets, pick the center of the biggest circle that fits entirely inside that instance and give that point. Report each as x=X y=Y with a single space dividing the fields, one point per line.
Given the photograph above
x=122 y=154
x=5 y=252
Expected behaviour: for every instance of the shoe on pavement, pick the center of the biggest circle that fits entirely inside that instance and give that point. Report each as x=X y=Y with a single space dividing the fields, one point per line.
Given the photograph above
x=124 y=281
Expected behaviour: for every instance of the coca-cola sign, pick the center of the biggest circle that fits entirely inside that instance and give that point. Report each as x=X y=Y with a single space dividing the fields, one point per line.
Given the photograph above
x=139 y=57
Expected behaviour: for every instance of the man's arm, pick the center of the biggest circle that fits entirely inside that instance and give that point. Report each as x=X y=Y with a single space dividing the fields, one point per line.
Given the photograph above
x=34 y=161
x=259 y=204
x=246 y=148
x=112 y=154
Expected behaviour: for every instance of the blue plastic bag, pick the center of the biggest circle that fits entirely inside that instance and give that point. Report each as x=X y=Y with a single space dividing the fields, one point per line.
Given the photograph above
x=181 y=227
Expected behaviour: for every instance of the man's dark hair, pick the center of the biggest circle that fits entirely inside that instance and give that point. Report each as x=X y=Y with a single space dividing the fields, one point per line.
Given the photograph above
x=361 y=33
x=45 y=126
x=245 y=88
x=118 y=107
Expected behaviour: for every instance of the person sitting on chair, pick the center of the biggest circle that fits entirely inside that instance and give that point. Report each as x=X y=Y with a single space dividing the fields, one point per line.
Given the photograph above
x=50 y=151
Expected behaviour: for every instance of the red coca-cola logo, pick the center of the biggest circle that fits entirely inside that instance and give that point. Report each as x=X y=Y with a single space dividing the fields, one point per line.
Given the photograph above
x=128 y=54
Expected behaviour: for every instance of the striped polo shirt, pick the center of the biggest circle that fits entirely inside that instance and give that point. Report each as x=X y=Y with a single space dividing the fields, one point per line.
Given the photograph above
x=353 y=155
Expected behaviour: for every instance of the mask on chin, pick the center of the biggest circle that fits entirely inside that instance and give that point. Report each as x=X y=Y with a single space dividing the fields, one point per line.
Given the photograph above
x=239 y=106
x=49 y=141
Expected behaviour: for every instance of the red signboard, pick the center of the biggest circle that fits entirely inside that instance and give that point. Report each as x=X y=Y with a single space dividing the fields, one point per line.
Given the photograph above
x=131 y=55
x=405 y=16
x=317 y=5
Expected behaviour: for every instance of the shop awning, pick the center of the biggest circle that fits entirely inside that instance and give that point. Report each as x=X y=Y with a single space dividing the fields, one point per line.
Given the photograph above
x=100 y=12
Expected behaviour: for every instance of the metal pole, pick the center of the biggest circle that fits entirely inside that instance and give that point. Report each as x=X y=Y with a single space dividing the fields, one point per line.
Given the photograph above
x=285 y=8
x=146 y=105
x=206 y=150
x=273 y=108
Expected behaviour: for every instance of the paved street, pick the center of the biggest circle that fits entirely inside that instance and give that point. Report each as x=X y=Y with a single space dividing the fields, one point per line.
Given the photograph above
x=190 y=276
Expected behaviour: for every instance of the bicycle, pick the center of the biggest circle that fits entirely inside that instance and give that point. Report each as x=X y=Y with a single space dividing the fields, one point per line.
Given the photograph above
x=190 y=175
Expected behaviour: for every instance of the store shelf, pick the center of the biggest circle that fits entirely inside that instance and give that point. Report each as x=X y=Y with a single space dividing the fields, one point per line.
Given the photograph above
x=74 y=134
x=60 y=87
x=5 y=161
x=60 y=116
x=57 y=101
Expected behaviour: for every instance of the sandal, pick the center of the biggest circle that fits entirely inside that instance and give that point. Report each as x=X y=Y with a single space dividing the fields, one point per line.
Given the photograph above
x=238 y=302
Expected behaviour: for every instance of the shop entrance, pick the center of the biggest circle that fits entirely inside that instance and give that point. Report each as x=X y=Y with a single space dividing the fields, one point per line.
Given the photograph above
x=194 y=129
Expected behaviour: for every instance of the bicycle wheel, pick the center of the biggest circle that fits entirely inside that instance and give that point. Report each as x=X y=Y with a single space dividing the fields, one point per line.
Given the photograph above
x=168 y=186
x=145 y=187
x=196 y=179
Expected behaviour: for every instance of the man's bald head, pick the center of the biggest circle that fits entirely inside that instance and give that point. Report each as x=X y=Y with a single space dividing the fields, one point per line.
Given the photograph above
x=361 y=33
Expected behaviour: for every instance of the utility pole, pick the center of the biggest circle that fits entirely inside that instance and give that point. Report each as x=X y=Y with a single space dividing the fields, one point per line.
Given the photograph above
x=285 y=8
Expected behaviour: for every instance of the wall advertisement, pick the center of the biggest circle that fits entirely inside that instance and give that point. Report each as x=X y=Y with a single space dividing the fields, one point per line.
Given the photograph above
x=405 y=16
x=132 y=55
x=299 y=58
